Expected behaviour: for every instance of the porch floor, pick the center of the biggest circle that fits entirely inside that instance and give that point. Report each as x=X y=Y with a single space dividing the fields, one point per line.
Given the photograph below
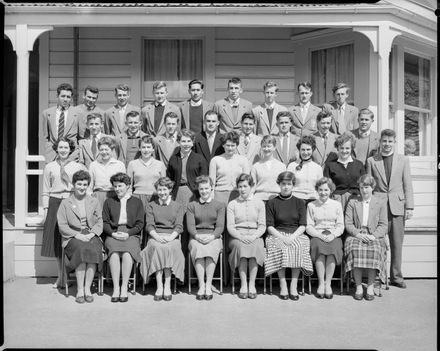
x=37 y=316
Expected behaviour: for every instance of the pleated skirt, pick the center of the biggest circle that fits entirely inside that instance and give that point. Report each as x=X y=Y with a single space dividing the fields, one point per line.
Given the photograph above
x=157 y=256
x=239 y=250
x=370 y=255
x=319 y=247
x=132 y=245
x=296 y=255
x=78 y=252
x=198 y=250
x=51 y=245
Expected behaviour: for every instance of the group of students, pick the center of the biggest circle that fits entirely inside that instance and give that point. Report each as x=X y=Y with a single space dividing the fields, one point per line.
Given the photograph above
x=280 y=188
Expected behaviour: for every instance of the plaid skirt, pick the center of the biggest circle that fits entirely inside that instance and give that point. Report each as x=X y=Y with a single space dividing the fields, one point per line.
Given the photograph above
x=296 y=255
x=365 y=255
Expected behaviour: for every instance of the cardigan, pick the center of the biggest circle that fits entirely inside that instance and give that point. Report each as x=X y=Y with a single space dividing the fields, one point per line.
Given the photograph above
x=205 y=218
x=135 y=215
x=245 y=216
x=325 y=216
x=164 y=219
x=305 y=179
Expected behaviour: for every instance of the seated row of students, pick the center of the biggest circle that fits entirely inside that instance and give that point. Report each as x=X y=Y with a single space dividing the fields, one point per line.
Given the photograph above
x=285 y=217
x=65 y=120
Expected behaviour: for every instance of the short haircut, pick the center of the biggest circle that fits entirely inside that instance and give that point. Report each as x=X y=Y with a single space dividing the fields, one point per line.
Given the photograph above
x=211 y=113
x=164 y=181
x=133 y=114
x=325 y=180
x=248 y=115
x=307 y=139
x=123 y=87
x=366 y=111
x=186 y=133
x=71 y=143
x=234 y=80
x=94 y=115
x=324 y=113
x=81 y=175
x=340 y=86
x=232 y=136
x=203 y=179
x=270 y=84
x=170 y=115
x=64 y=86
x=286 y=176
x=196 y=81
x=284 y=114
x=120 y=177
x=159 y=84
x=244 y=177
x=107 y=140
x=367 y=179
x=269 y=139
x=343 y=138
x=93 y=90
x=388 y=133
x=147 y=139
x=306 y=85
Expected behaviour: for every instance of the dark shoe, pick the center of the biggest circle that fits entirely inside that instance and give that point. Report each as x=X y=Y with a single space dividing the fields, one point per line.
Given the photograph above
x=80 y=299
x=401 y=285
x=369 y=297
x=208 y=297
x=167 y=297
x=294 y=297
x=252 y=295
x=319 y=296
x=123 y=299
x=89 y=298
x=114 y=299
x=157 y=297
x=358 y=297
x=284 y=297
x=242 y=295
x=328 y=296
x=200 y=297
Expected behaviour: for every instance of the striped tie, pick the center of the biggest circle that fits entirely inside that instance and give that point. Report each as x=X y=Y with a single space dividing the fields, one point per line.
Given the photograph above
x=61 y=124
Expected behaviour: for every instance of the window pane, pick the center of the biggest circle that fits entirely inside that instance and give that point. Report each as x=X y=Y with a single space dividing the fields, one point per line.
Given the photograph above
x=390 y=76
x=412 y=133
x=417 y=81
x=425 y=84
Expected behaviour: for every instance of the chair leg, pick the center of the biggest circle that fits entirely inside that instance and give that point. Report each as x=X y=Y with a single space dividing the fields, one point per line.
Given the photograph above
x=134 y=278
x=221 y=273
x=232 y=281
x=175 y=286
x=264 y=284
x=189 y=273
x=341 y=282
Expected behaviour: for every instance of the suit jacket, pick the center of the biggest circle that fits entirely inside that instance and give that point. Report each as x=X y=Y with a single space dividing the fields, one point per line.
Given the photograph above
x=293 y=150
x=350 y=119
x=112 y=125
x=81 y=110
x=85 y=151
x=262 y=120
x=202 y=148
x=195 y=166
x=320 y=155
x=377 y=217
x=148 y=118
x=184 y=111
x=309 y=126
x=121 y=146
x=253 y=149
x=227 y=120
x=399 y=191
x=69 y=219
x=163 y=152
x=373 y=144
x=135 y=215
x=50 y=131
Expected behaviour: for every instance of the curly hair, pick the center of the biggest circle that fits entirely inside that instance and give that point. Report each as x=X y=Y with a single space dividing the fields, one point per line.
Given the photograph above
x=71 y=143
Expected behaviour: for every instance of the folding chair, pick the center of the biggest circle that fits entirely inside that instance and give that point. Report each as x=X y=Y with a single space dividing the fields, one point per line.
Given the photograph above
x=219 y=278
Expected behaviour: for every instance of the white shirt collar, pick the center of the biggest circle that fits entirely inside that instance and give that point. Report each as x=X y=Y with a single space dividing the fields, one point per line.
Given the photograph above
x=233 y=103
x=365 y=134
x=166 y=202
x=98 y=136
x=350 y=159
x=207 y=201
x=342 y=107
x=271 y=106
x=306 y=106
x=157 y=104
x=194 y=103
x=250 y=197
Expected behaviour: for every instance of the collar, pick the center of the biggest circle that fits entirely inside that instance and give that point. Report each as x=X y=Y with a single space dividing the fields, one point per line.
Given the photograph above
x=306 y=106
x=367 y=201
x=182 y=156
x=364 y=135
x=98 y=136
x=271 y=106
x=249 y=198
x=111 y=160
x=234 y=103
x=324 y=136
x=391 y=154
x=125 y=197
x=193 y=103
x=342 y=107
x=156 y=104
x=207 y=201
x=166 y=203
x=169 y=136
x=122 y=107
x=350 y=159
x=130 y=136
x=211 y=135
x=147 y=163
x=59 y=108
x=321 y=202
x=249 y=135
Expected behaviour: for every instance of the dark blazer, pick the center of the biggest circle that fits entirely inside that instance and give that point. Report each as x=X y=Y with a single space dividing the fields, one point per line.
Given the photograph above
x=135 y=215
x=201 y=146
x=195 y=166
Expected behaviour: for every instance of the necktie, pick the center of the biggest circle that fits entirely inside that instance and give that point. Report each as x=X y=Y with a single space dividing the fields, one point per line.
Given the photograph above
x=210 y=142
x=341 y=121
x=303 y=113
x=325 y=142
x=61 y=124
x=285 y=141
x=94 y=147
x=246 y=140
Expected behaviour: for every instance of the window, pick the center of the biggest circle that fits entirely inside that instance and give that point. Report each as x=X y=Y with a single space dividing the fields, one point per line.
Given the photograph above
x=417 y=103
x=174 y=61
x=331 y=66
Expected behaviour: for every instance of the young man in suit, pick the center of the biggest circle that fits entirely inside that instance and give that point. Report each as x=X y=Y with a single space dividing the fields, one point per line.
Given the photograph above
x=249 y=144
x=325 y=140
x=88 y=148
x=88 y=106
x=208 y=142
x=393 y=177
x=231 y=108
x=127 y=143
x=266 y=113
x=59 y=121
x=166 y=143
x=367 y=141
x=194 y=109
x=304 y=114
x=345 y=116
x=286 y=150
x=153 y=114
x=114 y=117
